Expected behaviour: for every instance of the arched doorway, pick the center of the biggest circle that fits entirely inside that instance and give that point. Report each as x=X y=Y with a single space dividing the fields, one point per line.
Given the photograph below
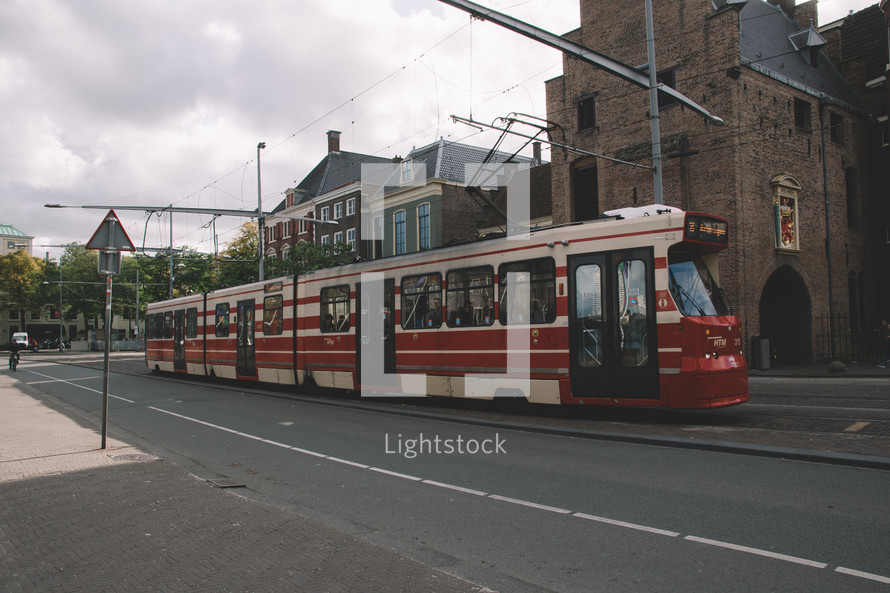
x=786 y=317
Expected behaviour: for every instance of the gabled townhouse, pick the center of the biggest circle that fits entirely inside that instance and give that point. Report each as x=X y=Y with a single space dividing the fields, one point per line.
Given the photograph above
x=331 y=193
x=788 y=168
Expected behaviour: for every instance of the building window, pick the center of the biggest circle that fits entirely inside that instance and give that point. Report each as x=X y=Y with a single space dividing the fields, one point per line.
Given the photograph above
x=350 y=206
x=302 y=226
x=885 y=131
x=802 y=115
x=786 y=190
x=669 y=79
x=407 y=171
x=423 y=226
x=851 y=183
x=338 y=210
x=399 y=232
x=350 y=239
x=325 y=239
x=325 y=214
x=836 y=127
x=586 y=113
x=377 y=238
x=338 y=237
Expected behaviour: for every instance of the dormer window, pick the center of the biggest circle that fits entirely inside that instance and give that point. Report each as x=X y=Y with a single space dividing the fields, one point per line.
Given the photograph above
x=407 y=171
x=808 y=43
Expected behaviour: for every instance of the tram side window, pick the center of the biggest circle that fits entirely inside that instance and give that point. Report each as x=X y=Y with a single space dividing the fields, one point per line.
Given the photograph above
x=159 y=326
x=589 y=315
x=222 y=320
x=527 y=292
x=150 y=326
x=422 y=301
x=469 y=297
x=191 y=323
x=273 y=309
x=335 y=309
x=168 y=325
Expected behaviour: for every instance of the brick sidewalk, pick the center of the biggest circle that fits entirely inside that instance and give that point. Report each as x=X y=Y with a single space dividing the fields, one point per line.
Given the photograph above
x=76 y=518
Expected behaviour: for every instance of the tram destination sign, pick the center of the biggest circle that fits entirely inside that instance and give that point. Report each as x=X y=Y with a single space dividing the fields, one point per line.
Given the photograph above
x=707 y=229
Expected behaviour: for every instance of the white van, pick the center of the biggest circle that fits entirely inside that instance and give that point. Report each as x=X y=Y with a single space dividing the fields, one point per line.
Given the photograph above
x=21 y=338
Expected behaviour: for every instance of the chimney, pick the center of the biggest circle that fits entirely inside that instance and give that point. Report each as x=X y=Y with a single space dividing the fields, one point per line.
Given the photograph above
x=333 y=141
x=536 y=152
x=806 y=14
x=787 y=6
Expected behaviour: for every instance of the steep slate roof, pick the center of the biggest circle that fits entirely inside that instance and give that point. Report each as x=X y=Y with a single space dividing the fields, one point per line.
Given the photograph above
x=447 y=160
x=767 y=45
x=335 y=170
x=10 y=231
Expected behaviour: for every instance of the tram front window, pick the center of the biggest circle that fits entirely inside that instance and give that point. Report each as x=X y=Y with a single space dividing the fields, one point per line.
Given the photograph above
x=693 y=288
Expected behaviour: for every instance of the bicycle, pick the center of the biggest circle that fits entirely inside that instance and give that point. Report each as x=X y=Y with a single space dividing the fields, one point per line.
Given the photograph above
x=13 y=360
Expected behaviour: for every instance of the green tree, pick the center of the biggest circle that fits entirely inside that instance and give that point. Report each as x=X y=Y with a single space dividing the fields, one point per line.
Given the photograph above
x=241 y=258
x=307 y=257
x=83 y=288
x=21 y=281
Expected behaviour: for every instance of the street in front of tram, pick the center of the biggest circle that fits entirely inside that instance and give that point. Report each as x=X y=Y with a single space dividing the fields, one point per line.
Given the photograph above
x=786 y=493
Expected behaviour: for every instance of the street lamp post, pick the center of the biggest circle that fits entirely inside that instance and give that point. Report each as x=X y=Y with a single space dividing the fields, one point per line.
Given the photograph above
x=261 y=220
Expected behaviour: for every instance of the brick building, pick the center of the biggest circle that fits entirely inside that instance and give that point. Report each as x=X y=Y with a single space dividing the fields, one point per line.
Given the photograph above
x=760 y=67
x=858 y=45
x=330 y=192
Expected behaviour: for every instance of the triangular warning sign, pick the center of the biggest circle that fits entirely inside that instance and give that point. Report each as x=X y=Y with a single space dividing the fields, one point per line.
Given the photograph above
x=111 y=235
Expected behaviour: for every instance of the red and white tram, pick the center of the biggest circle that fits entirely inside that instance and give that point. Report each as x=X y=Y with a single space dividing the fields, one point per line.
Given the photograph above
x=622 y=311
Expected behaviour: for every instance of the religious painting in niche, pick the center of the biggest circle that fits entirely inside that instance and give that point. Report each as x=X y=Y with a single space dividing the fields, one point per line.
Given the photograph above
x=785 y=195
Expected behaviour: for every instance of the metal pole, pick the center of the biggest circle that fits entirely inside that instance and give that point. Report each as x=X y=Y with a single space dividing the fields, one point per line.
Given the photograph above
x=171 y=253
x=61 y=316
x=138 y=333
x=654 y=117
x=259 y=205
x=107 y=351
x=827 y=231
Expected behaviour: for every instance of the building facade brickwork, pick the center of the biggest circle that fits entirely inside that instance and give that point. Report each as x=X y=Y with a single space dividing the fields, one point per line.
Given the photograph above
x=769 y=168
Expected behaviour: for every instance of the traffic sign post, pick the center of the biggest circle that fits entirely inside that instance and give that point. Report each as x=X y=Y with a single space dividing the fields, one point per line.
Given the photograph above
x=109 y=239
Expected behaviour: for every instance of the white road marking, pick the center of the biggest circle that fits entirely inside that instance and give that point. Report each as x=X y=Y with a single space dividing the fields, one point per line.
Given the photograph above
x=863 y=575
x=645 y=528
x=69 y=382
x=532 y=505
x=757 y=551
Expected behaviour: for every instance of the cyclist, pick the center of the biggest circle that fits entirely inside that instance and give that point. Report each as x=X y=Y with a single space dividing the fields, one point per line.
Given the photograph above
x=14 y=355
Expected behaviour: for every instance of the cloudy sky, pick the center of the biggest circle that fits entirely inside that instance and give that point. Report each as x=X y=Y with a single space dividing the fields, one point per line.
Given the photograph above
x=158 y=102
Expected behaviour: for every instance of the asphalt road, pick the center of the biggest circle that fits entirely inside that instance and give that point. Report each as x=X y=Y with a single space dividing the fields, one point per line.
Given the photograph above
x=515 y=510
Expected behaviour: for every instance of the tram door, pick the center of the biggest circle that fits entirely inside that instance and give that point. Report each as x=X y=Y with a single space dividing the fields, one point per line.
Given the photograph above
x=364 y=329
x=179 y=339
x=245 y=328
x=612 y=325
